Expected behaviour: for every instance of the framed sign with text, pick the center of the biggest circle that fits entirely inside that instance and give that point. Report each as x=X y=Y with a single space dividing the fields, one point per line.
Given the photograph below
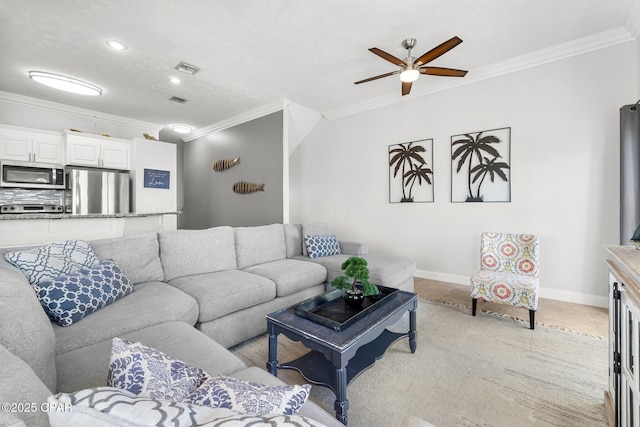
x=156 y=178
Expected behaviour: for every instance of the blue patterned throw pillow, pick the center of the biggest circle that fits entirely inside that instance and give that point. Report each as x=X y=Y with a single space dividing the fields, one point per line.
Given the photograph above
x=69 y=298
x=322 y=245
x=144 y=371
x=52 y=261
x=249 y=397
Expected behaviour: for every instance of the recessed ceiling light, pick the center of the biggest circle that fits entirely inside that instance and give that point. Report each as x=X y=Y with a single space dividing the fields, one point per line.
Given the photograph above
x=65 y=83
x=181 y=128
x=174 y=80
x=116 y=45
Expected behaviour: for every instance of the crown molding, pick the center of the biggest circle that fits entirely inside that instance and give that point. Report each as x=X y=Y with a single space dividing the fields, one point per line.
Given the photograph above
x=633 y=20
x=555 y=53
x=81 y=112
x=256 y=113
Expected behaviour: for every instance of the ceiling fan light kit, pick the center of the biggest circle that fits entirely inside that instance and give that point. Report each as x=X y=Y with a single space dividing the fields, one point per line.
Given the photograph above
x=411 y=68
x=409 y=75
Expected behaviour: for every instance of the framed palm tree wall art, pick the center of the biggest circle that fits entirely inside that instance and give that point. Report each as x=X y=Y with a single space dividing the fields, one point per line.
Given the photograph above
x=481 y=166
x=410 y=173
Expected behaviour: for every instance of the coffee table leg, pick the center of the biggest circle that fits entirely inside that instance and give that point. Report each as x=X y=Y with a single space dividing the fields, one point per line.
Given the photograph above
x=341 y=404
x=412 y=331
x=272 y=363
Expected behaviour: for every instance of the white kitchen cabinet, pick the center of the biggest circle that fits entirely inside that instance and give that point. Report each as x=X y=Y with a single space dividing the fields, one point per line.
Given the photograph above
x=29 y=146
x=98 y=151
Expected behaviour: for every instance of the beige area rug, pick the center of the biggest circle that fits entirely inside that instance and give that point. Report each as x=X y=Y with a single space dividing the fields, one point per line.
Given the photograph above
x=468 y=371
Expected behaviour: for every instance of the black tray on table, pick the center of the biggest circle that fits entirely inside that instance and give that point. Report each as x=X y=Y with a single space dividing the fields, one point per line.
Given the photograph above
x=332 y=311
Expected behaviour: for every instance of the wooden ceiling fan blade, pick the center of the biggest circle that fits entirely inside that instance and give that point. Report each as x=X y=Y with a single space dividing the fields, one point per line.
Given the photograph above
x=440 y=71
x=384 y=55
x=377 y=77
x=438 y=51
x=406 y=88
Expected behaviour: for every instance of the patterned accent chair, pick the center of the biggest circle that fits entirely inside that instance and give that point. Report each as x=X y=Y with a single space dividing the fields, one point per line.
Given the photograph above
x=509 y=272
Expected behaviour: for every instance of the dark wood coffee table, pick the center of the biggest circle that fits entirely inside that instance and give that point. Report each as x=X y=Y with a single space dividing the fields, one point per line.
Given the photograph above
x=336 y=358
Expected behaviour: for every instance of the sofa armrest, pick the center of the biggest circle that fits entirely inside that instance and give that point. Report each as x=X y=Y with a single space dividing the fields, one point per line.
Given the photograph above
x=353 y=248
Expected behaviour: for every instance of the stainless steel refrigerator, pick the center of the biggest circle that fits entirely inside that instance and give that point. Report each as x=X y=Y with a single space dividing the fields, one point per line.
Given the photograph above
x=96 y=191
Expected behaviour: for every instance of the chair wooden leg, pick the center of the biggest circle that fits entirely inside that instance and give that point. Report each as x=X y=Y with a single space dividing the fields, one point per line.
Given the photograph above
x=474 y=305
x=532 y=319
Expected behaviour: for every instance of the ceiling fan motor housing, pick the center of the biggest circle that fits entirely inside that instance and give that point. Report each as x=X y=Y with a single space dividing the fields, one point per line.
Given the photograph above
x=409 y=43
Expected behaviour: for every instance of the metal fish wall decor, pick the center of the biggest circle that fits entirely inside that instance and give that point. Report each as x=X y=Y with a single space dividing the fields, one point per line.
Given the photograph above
x=242 y=187
x=224 y=164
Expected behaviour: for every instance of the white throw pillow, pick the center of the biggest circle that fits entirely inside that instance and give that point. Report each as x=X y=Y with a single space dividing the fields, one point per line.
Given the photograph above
x=51 y=261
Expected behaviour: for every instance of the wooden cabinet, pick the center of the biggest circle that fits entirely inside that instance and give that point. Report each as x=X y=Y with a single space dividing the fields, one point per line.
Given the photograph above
x=98 y=151
x=29 y=146
x=622 y=400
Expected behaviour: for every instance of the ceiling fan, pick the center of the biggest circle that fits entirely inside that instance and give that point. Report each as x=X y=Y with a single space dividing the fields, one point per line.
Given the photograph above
x=411 y=68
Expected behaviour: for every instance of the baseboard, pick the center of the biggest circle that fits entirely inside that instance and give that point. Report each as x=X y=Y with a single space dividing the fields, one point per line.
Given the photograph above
x=443 y=277
x=550 y=293
x=575 y=297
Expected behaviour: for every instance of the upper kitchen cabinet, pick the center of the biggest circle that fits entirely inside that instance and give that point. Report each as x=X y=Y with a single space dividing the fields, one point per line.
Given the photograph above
x=98 y=151
x=27 y=145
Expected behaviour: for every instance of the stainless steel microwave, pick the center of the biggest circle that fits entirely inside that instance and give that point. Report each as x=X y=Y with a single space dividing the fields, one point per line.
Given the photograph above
x=31 y=175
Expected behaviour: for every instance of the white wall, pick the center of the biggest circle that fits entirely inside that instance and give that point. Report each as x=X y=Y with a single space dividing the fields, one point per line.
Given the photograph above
x=564 y=171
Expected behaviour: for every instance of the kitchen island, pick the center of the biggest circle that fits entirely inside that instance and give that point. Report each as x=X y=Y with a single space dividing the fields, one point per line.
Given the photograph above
x=42 y=228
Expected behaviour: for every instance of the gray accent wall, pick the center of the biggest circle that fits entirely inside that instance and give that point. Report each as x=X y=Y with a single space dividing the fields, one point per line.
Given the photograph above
x=209 y=200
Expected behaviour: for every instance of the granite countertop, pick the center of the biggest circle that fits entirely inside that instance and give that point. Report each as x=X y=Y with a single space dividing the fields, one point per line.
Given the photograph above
x=73 y=216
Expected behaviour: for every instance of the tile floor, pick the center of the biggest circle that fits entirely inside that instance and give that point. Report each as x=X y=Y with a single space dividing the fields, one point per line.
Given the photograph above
x=575 y=317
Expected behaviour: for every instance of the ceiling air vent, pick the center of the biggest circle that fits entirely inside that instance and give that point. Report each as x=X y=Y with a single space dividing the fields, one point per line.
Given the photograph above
x=176 y=99
x=187 y=68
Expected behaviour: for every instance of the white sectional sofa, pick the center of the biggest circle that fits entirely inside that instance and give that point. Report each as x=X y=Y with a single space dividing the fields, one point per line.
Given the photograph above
x=221 y=280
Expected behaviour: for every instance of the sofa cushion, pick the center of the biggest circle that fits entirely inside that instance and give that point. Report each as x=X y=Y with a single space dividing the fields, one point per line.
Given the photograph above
x=290 y=275
x=50 y=261
x=145 y=371
x=385 y=270
x=32 y=341
x=313 y=229
x=137 y=256
x=88 y=366
x=224 y=292
x=188 y=252
x=250 y=397
x=68 y=299
x=293 y=239
x=20 y=385
x=108 y=406
x=321 y=245
x=152 y=303
x=257 y=245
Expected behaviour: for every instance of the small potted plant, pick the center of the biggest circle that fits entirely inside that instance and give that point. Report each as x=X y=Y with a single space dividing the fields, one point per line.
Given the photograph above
x=356 y=273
